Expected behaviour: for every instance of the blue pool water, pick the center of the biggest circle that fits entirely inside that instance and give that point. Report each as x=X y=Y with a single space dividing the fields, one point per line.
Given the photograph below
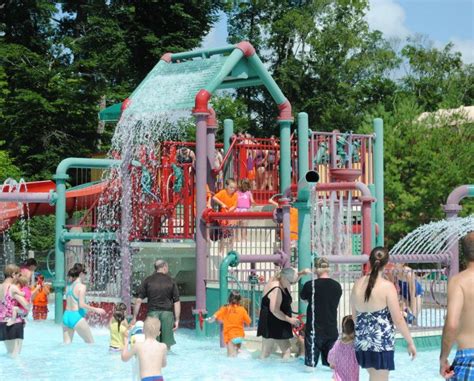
x=45 y=358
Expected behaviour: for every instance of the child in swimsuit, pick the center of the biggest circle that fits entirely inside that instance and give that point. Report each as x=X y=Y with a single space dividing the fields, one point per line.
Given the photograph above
x=18 y=311
x=40 y=300
x=244 y=202
x=342 y=357
x=233 y=316
x=151 y=354
x=118 y=327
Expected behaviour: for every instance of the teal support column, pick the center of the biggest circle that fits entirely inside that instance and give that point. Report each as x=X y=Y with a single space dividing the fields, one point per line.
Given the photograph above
x=303 y=204
x=379 y=180
x=232 y=260
x=372 y=217
x=59 y=282
x=285 y=155
x=228 y=132
x=61 y=177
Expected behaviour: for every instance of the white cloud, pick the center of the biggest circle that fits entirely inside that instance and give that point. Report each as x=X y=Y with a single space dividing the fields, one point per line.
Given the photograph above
x=389 y=17
x=466 y=47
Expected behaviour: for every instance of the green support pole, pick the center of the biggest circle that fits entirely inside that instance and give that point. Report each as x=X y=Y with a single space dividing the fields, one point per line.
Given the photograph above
x=232 y=260
x=228 y=132
x=59 y=245
x=61 y=177
x=379 y=180
x=303 y=206
x=285 y=155
x=372 y=216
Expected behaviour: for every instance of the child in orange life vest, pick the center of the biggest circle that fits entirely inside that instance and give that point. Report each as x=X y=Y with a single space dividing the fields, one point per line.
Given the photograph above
x=40 y=299
x=233 y=316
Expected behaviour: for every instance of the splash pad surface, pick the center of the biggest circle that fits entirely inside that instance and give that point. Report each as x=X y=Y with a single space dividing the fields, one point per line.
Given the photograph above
x=45 y=358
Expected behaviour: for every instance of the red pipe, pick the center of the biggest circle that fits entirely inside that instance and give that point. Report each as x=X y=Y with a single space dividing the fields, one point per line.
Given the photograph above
x=201 y=101
x=226 y=157
x=166 y=57
x=246 y=48
x=209 y=215
x=211 y=119
x=285 y=111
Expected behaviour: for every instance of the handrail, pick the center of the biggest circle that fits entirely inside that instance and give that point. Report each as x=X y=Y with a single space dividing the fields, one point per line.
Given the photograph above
x=226 y=157
x=209 y=215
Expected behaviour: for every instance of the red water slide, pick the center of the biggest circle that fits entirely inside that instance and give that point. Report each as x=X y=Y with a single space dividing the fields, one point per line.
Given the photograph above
x=78 y=198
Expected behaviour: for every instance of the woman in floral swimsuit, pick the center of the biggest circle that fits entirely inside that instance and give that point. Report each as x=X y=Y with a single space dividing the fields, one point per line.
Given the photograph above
x=376 y=310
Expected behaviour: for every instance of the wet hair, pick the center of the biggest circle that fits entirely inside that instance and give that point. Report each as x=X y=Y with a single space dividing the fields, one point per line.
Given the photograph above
x=159 y=264
x=22 y=281
x=348 y=325
x=76 y=270
x=30 y=262
x=290 y=273
x=119 y=314
x=230 y=181
x=468 y=246
x=151 y=327
x=234 y=297
x=10 y=270
x=244 y=185
x=378 y=259
x=39 y=277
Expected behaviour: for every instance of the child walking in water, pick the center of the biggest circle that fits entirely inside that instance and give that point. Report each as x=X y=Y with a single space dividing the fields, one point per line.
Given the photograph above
x=18 y=311
x=151 y=354
x=342 y=357
x=244 y=202
x=118 y=327
x=40 y=299
x=233 y=316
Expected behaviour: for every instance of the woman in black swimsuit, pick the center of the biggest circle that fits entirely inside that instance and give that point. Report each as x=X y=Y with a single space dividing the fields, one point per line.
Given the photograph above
x=275 y=321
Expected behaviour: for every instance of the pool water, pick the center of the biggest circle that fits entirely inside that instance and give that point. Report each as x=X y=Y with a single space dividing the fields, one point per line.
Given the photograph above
x=45 y=358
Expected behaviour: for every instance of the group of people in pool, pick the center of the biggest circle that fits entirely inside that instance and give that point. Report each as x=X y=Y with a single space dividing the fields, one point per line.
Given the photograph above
x=368 y=335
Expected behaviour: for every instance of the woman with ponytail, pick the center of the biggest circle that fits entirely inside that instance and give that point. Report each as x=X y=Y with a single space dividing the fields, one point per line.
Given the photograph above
x=376 y=313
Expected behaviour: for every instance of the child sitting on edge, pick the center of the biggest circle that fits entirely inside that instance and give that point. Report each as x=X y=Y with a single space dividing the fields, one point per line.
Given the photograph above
x=342 y=357
x=40 y=298
x=151 y=354
x=233 y=316
x=118 y=326
x=18 y=311
x=244 y=202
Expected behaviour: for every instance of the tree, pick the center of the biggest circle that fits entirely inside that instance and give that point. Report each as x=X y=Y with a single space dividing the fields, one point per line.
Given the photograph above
x=438 y=78
x=424 y=161
x=324 y=58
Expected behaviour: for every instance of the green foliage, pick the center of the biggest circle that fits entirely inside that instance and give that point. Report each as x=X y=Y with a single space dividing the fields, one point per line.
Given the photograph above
x=41 y=233
x=424 y=161
x=7 y=168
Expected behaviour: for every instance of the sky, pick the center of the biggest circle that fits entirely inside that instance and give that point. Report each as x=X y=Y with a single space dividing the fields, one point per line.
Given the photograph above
x=441 y=21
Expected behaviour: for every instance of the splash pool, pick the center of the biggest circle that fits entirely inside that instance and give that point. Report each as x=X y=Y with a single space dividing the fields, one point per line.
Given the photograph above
x=45 y=358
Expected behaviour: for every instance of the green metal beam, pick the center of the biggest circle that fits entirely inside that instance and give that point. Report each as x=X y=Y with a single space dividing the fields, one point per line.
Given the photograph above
x=202 y=53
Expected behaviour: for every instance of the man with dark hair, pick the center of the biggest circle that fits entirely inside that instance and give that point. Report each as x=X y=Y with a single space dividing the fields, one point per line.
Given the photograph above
x=459 y=323
x=163 y=301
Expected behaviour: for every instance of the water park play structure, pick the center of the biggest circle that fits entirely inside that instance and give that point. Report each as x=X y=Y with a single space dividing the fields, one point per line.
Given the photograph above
x=147 y=203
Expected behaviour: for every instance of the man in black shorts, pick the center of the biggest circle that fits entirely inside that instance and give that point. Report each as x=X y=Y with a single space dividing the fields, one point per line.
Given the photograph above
x=163 y=301
x=321 y=332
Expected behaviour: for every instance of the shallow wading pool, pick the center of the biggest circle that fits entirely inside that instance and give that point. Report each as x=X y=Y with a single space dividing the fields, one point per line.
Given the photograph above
x=45 y=358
